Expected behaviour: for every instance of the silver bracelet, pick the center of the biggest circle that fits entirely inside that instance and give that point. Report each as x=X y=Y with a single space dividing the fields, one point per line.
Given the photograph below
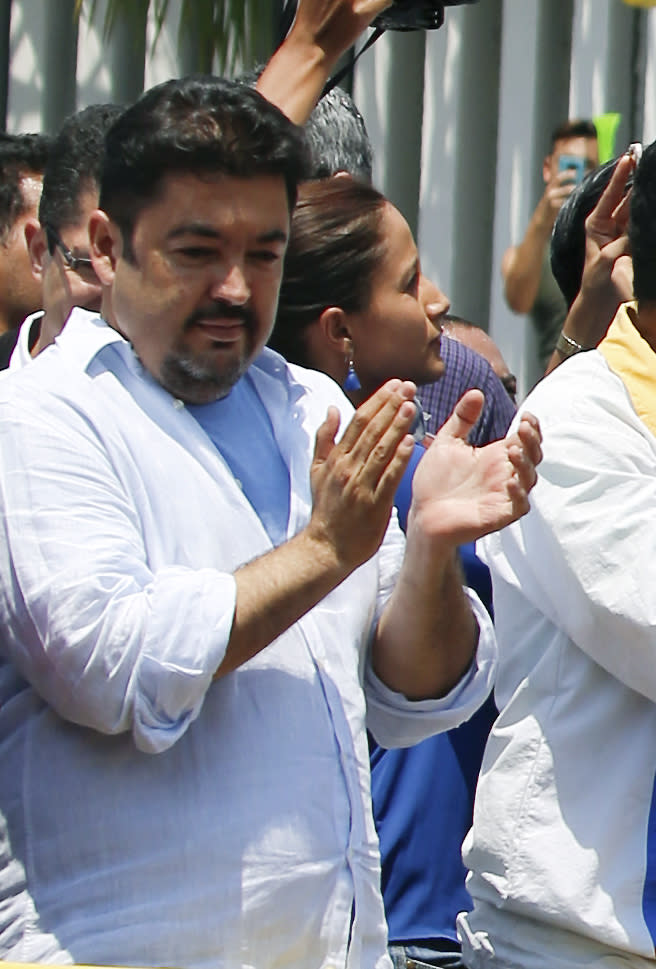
x=568 y=347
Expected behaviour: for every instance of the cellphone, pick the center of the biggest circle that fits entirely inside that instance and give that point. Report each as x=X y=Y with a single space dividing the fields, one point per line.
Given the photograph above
x=574 y=164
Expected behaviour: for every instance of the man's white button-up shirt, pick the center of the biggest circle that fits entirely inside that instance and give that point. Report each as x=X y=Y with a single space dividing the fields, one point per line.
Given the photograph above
x=147 y=813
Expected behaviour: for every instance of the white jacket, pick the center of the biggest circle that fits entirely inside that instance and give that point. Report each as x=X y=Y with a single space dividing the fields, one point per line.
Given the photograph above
x=563 y=847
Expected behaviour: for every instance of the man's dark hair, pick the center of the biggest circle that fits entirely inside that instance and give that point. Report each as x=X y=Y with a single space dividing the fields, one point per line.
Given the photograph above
x=20 y=156
x=577 y=128
x=642 y=226
x=568 y=237
x=335 y=247
x=199 y=125
x=75 y=164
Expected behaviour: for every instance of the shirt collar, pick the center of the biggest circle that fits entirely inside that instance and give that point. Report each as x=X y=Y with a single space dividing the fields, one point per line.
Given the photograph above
x=86 y=334
x=629 y=355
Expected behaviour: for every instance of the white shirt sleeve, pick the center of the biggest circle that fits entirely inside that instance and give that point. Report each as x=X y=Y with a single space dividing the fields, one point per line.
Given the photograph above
x=396 y=721
x=107 y=642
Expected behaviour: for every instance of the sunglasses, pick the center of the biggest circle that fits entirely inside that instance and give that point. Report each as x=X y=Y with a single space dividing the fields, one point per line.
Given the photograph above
x=74 y=263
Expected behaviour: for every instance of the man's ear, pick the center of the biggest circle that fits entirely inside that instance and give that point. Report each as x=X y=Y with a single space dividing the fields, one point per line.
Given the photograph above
x=37 y=246
x=546 y=169
x=105 y=245
x=334 y=324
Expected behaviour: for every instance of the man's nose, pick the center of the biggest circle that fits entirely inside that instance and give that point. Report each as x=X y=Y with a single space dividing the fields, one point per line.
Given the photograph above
x=231 y=285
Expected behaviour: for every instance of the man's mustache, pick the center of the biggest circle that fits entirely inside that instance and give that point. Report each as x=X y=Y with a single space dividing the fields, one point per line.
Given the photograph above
x=220 y=310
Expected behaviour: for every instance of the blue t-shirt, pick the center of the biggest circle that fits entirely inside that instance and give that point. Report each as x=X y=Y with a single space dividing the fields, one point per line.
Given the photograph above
x=240 y=429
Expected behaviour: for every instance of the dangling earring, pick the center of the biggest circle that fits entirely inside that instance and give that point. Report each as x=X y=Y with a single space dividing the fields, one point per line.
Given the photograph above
x=352 y=381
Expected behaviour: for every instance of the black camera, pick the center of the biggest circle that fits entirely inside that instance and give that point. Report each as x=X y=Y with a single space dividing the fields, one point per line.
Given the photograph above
x=415 y=14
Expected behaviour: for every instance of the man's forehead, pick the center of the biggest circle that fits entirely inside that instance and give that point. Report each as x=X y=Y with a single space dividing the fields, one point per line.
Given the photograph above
x=191 y=192
x=232 y=182
x=585 y=146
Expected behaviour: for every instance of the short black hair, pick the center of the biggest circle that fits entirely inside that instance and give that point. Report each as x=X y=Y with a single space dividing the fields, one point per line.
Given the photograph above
x=20 y=156
x=568 y=236
x=576 y=128
x=200 y=125
x=642 y=226
x=75 y=164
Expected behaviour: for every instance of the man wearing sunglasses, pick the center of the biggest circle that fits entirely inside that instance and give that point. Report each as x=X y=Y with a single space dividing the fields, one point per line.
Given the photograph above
x=59 y=242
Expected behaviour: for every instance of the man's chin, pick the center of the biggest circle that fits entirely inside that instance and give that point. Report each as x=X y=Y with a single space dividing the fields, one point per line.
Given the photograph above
x=197 y=382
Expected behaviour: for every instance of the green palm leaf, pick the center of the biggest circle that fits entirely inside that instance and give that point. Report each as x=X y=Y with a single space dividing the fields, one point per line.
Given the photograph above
x=235 y=32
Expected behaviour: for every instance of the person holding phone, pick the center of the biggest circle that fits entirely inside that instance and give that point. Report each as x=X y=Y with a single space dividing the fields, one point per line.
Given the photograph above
x=529 y=286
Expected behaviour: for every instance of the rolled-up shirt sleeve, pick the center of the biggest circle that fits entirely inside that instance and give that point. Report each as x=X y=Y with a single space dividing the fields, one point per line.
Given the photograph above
x=107 y=641
x=396 y=721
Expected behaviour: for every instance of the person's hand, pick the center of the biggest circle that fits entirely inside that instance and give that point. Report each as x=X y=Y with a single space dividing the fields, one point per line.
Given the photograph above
x=322 y=31
x=558 y=189
x=461 y=493
x=335 y=25
x=354 y=480
x=607 y=279
x=608 y=271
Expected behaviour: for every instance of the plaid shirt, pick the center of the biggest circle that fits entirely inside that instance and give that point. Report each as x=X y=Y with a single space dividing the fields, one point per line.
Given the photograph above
x=464 y=369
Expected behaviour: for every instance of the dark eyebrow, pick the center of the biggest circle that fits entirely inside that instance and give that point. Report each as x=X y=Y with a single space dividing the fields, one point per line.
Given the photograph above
x=207 y=232
x=411 y=271
x=276 y=235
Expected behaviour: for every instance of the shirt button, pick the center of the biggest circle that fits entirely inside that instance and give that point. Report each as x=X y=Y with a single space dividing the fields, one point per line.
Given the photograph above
x=178 y=404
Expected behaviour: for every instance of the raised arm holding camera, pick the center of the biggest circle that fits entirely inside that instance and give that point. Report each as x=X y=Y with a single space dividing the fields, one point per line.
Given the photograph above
x=318 y=32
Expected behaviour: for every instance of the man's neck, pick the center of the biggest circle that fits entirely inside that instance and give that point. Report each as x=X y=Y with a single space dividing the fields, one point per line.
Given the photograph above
x=6 y=322
x=49 y=330
x=644 y=321
x=108 y=314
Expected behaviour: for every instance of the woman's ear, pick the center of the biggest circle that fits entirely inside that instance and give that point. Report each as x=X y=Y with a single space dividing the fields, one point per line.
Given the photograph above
x=325 y=343
x=106 y=245
x=334 y=324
